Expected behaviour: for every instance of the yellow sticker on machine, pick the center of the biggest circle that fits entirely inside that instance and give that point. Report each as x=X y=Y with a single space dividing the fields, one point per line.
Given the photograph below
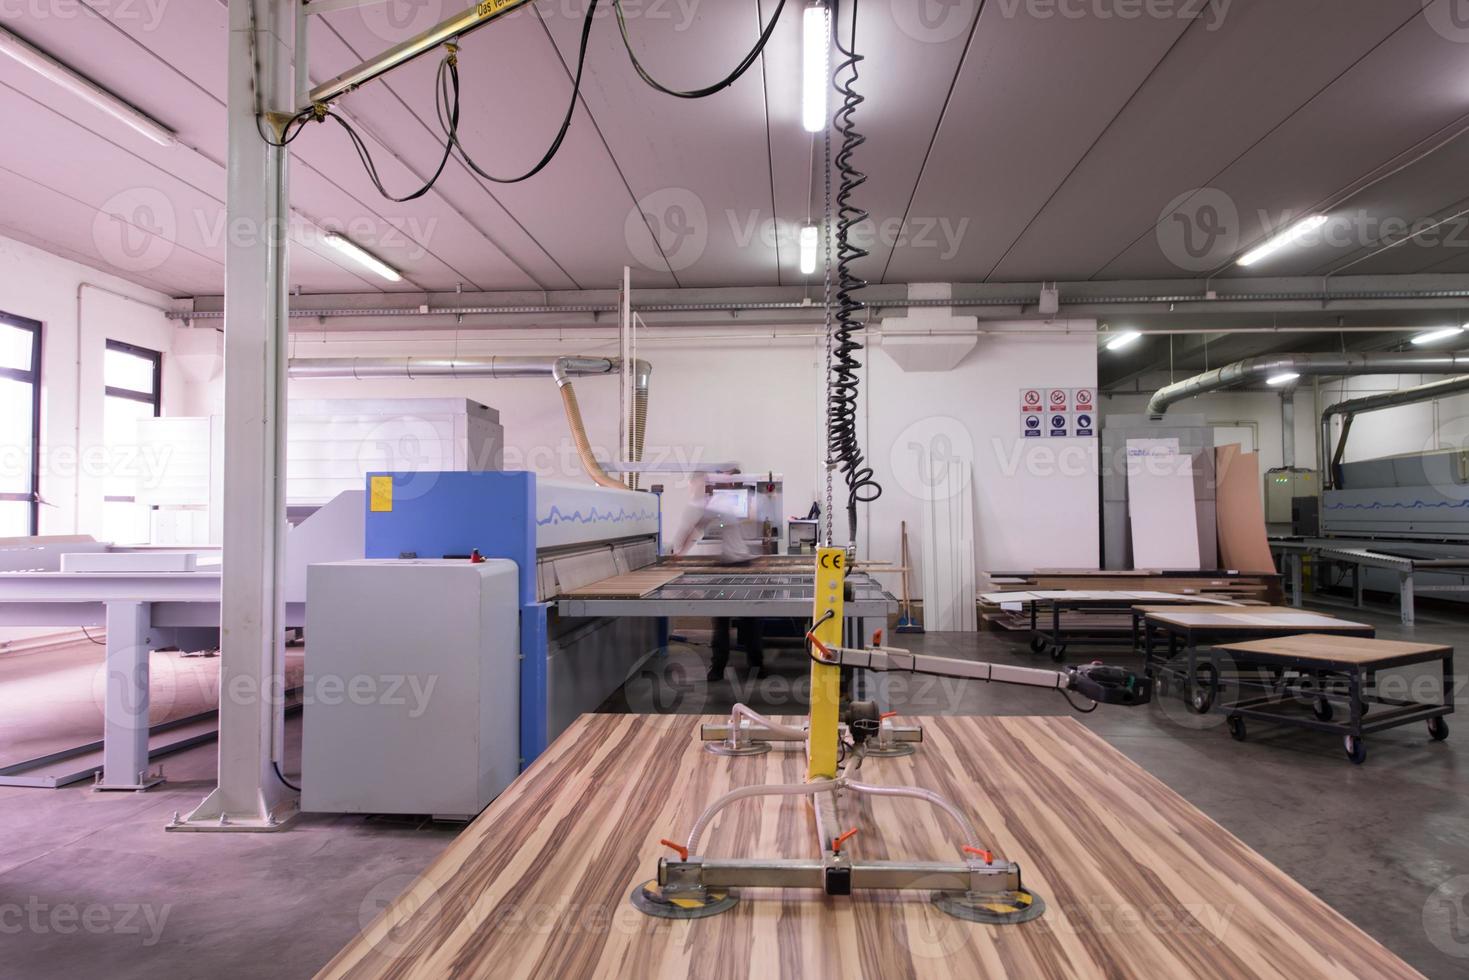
x=380 y=494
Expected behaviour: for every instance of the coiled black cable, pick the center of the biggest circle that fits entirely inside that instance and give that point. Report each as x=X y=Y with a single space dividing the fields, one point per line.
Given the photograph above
x=843 y=447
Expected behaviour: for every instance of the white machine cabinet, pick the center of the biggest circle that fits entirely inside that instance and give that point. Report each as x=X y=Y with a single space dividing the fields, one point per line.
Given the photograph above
x=412 y=686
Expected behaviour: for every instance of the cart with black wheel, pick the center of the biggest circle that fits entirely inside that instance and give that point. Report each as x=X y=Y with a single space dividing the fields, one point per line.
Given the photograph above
x=1187 y=630
x=1325 y=671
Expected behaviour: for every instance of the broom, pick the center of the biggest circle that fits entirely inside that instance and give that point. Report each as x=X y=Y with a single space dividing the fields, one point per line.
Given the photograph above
x=906 y=623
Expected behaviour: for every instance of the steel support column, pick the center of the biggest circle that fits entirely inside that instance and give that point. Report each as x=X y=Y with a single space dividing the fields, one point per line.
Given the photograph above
x=252 y=610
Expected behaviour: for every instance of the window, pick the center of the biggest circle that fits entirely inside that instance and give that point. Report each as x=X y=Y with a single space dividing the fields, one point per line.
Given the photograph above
x=20 y=425
x=133 y=378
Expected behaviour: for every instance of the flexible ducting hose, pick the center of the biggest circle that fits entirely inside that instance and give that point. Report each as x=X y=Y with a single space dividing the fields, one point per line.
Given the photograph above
x=579 y=436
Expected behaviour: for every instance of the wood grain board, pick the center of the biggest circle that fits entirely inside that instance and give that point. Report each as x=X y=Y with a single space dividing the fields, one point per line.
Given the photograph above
x=1138 y=882
x=1336 y=649
x=629 y=585
x=1267 y=618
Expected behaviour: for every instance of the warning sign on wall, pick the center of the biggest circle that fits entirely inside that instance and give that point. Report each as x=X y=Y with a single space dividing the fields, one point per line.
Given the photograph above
x=1085 y=424
x=1057 y=399
x=1031 y=400
x=1060 y=424
x=1081 y=400
x=1031 y=425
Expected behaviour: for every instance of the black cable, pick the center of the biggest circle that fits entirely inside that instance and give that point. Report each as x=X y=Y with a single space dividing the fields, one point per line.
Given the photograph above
x=707 y=90
x=282 y=776
x=299 y=120
x=581 y=58
x=100 y=643
x=844 y=449
x=1074 y=706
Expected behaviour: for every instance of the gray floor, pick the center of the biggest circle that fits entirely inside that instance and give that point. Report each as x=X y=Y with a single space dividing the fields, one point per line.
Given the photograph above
x=91 y=885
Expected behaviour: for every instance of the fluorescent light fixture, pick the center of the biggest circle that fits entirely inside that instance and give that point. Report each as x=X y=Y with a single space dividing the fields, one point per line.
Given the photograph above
x=809 y=242
x=48 y=67
x=362 y=257
x=1434 y=336
x=1291 y=236
x=1283 y=378
x=1124 y=339
x=816 y=48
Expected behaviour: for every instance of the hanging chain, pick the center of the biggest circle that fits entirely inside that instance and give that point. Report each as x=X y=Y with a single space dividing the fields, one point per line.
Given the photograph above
x=826 y=238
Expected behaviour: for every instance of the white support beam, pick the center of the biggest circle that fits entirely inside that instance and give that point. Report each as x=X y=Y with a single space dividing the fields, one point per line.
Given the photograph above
x=252 y=610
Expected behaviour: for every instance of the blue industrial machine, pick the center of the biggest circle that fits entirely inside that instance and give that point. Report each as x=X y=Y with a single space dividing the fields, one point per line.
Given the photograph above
x=561 y=536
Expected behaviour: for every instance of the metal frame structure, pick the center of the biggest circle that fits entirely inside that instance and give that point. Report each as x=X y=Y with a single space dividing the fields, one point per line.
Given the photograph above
x=977 y=887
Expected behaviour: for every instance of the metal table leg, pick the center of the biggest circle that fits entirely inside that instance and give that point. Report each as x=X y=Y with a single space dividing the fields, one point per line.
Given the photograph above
x=125 y=740
x=1405 y=597
x=1296 y=577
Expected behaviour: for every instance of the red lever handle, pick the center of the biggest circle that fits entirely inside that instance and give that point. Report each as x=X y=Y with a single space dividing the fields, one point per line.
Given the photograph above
x=989 y=858
x=683 y=852
x=837 y=842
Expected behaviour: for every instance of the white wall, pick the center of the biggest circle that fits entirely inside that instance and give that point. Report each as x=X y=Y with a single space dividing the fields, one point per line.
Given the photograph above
x=1259 y=410
x=758 y=400
x=79 y=313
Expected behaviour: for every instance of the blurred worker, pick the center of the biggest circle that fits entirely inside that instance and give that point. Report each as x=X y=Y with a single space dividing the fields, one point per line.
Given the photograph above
x=739 y=544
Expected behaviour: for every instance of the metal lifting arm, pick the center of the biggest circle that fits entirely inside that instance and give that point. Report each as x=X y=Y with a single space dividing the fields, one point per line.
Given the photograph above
x=1096 y=682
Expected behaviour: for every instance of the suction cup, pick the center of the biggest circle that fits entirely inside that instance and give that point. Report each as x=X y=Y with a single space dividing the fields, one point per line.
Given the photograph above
x=749 y=748
x=894 y=750
x=650 y=899
x=999 y=909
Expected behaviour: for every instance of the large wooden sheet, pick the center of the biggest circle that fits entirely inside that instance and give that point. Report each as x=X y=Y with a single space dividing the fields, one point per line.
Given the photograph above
x=1242 y=541
x=1161 y=505
x=1138 y=883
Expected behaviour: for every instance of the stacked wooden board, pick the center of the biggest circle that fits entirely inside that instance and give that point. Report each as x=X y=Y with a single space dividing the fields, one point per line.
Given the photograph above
x=1137 y=882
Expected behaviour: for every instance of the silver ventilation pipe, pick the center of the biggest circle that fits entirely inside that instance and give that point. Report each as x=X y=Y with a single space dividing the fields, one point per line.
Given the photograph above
x=1261 y=368
x=1288 y=430
x=1350 y=408
x=561 y=369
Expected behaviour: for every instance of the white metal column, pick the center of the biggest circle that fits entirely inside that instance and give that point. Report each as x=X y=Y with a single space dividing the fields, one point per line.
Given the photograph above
x=252 y=611
x=125 y=721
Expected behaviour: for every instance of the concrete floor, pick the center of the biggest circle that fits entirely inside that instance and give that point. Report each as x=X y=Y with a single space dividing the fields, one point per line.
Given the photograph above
x=90 y=884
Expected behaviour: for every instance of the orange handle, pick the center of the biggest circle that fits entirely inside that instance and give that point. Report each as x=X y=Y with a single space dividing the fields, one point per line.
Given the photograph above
x=989 y=858
x=836 y=844
x=683 y=852
x=877 y=638
x=886 y=715
x=825 y=653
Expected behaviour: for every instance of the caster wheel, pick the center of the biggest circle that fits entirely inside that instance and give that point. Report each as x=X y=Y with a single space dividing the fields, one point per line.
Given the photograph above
x=1237 y=727
x=1058 y=653
x=1161 y=685
x=1438 y=729
x=1322 y=709
x=1037 y=644
x=1356 y=749
x=1202 y=697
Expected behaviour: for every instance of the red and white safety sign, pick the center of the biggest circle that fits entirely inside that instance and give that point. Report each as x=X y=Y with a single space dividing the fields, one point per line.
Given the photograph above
x=1032 y=400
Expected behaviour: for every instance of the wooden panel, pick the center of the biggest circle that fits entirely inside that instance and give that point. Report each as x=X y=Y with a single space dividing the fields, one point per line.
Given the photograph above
x=1255 y=618
x=1137 y=881
x=1336 y=649
x=631 y=585
x=1241 y=515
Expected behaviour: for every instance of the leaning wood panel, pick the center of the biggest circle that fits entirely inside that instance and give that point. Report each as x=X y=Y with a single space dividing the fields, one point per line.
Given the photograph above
x=1138 y=882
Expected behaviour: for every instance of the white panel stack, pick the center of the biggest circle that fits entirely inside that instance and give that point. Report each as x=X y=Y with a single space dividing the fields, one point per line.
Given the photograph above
x=948 y=548
x=1161 y=505
x=333 y=443
x=412 y=699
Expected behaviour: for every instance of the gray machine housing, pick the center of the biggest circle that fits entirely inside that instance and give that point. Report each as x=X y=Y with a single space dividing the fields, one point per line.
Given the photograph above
x=1423 y=496
x=412 y=686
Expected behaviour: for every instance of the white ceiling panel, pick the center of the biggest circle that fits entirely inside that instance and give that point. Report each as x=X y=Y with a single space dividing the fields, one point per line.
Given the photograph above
x=1226 y=85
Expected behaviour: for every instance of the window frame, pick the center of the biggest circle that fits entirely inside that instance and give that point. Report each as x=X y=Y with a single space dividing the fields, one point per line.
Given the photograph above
x=155 y=399
x=32 y=378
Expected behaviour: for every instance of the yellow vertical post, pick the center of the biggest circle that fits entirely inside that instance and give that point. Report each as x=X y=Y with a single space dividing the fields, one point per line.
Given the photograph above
x=826 y=681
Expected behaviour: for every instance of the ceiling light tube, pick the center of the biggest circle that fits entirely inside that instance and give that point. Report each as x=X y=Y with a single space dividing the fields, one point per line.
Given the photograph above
x=809 y=241
x=1291 y=236
x=1434 y=336
x=1282 y=379
x=1125 y=339
x=815 y=70
x=362 y=257
x=48 y=67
